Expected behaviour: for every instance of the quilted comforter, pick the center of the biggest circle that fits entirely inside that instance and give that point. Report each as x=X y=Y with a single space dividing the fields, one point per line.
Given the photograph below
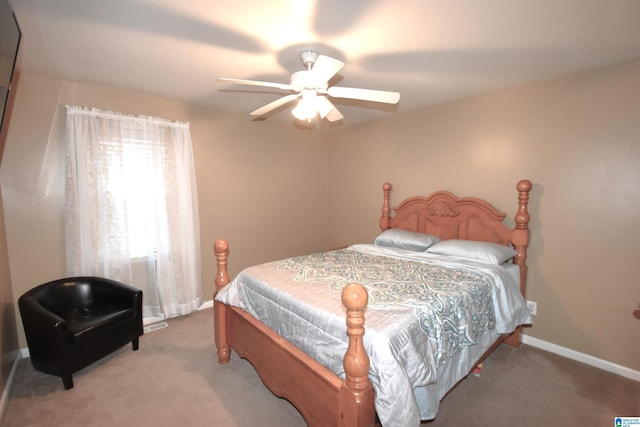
x=425 y=312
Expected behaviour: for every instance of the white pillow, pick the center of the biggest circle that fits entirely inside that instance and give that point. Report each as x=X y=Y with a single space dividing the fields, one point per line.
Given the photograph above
x=481 y=251
x=404 y=239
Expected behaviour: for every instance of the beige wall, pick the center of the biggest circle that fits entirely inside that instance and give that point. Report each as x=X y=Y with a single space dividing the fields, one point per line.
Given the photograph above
x=265 y=186
x=262 y=185
x=577 y=139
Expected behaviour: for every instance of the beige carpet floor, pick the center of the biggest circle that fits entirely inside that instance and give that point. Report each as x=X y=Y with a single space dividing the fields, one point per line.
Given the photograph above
x=175 y=380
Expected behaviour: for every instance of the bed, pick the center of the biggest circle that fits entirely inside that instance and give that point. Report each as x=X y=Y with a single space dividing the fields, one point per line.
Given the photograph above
x=434 y=310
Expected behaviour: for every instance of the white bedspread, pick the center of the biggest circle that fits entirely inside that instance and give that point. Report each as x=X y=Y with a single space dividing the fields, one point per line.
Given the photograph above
x=425 y=313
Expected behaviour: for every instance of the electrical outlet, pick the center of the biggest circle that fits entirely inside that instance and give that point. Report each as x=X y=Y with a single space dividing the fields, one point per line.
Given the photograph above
x=533 y=307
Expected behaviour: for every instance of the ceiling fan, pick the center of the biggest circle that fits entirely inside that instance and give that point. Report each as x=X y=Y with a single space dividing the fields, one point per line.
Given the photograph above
x=312 y=86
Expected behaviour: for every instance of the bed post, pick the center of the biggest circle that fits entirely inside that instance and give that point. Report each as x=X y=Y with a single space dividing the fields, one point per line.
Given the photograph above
x=521 y=232
x=221 y=249
x=520 y=242
x=356 y=404
x=386 y=207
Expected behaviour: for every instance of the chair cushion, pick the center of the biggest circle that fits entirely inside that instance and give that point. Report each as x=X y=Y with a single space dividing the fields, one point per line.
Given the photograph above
x=86 y=320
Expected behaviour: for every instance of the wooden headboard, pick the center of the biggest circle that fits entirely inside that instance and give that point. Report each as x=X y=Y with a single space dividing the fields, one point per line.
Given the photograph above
x=449 y=217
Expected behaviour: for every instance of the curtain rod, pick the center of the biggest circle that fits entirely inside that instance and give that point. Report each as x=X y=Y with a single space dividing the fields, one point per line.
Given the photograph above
x=120 y=116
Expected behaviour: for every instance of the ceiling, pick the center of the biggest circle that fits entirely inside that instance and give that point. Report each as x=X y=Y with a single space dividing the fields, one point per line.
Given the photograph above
x=431 y=51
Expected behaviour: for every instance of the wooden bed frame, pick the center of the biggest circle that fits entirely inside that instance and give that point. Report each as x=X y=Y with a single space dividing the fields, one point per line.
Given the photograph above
x=323 y=398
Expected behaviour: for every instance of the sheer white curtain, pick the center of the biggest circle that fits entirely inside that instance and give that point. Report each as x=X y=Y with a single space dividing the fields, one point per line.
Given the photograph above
x=132 y=207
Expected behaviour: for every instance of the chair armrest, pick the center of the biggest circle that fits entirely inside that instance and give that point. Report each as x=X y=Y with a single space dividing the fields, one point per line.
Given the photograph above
x=33 y=312
x=120 y=293
x=46 y=332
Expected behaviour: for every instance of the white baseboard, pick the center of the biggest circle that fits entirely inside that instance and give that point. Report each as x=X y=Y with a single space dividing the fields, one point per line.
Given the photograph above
x=206 y=304
x=581 y=357
x=7 y=387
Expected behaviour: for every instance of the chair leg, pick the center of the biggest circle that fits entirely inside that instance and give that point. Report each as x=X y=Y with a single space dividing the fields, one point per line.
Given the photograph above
x=67 y=380
x=135 y=343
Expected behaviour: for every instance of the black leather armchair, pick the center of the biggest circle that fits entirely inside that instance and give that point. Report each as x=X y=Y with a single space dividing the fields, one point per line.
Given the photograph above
x=70 y=323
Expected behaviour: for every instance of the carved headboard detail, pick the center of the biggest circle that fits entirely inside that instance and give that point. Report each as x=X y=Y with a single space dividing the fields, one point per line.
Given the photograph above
x=449 y=217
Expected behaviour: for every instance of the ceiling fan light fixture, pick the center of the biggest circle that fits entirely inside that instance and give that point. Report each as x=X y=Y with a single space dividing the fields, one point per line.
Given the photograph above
x=306 y=108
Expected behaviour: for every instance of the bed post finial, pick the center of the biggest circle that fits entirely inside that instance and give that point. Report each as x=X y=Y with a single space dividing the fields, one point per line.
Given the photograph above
x=386 y=207
x=522 y=217
x=521 y=230
x=221 y=249
x=356 y=361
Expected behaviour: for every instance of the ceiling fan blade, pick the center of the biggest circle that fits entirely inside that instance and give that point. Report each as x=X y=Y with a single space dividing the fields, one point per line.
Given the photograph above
x=324 y=68
x=256 y=83
x=273 y=105
x=325 y=107
x=364 y=94
x=334 y=115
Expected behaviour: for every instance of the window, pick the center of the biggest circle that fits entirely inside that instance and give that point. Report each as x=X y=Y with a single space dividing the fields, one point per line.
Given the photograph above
x=135 y=181
x=132 y=211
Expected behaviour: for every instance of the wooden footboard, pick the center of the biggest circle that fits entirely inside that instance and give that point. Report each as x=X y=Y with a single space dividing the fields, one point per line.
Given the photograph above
x=322 y=398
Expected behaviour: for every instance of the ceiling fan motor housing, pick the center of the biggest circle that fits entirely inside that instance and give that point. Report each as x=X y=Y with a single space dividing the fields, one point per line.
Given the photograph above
x=305 y=80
